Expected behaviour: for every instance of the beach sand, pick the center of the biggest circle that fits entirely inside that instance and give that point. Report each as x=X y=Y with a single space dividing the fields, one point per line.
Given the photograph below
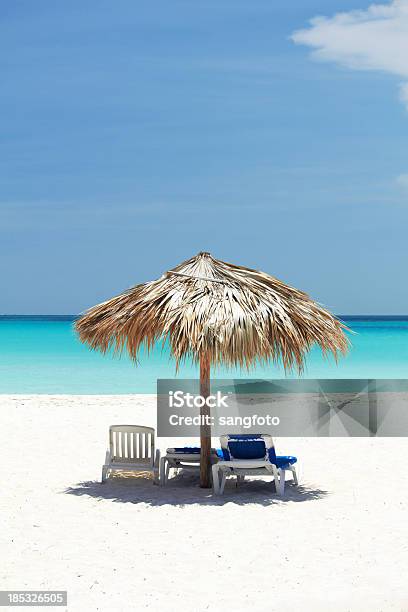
x=337 y=543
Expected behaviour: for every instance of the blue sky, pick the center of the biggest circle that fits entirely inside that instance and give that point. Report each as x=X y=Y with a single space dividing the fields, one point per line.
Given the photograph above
x=133 y=135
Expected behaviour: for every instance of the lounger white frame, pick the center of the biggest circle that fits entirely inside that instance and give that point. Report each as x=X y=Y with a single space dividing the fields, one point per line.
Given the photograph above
x=131 y=449
x=250 y=467
x=184 y=461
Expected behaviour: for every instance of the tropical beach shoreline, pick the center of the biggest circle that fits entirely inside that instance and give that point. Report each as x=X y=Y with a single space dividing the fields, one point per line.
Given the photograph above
x=131 y=544
x=44 y=355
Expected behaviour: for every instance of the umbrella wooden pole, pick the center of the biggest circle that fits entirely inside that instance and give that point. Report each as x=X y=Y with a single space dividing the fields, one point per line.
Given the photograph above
x=205 y=429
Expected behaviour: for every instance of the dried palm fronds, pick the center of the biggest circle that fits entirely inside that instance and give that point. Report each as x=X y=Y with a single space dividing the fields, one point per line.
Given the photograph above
x=204 y=306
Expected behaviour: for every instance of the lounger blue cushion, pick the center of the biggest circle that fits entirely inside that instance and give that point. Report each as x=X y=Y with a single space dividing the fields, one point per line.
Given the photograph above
x=225 y=454
x=272 y=455
x=282 y=461
x=244 y=446
x=285 y=461
x=185 y=450
x=247 y=449
x=252 y=446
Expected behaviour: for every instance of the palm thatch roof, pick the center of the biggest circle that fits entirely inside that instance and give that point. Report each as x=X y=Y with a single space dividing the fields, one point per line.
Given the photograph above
x=232 y=314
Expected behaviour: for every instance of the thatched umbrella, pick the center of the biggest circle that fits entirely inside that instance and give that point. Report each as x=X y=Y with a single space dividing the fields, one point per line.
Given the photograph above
x=214 y=312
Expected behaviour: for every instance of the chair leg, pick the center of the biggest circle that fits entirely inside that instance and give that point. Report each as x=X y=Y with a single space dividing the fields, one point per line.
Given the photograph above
x=162 y=471
x=281 y=484
x=294 y=475
x=223 y=481
x=156 y=468
x=275 y=473
x=215 y=479
x=104 y=474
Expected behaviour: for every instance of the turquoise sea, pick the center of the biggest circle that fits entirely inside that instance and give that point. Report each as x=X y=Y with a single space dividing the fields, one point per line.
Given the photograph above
x=43 y=355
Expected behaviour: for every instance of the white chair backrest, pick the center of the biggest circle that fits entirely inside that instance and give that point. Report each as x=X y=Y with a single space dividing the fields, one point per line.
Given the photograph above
x=247 y=446
x=131 y=443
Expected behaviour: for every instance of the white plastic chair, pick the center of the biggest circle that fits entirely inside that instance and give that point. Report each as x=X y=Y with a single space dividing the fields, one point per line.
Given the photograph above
x=131 y=449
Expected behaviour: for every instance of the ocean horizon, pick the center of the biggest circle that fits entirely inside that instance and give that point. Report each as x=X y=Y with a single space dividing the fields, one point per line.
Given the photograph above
x=42 y=354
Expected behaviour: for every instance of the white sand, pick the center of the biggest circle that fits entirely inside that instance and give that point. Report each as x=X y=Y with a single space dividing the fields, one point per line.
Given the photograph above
x=339 y=542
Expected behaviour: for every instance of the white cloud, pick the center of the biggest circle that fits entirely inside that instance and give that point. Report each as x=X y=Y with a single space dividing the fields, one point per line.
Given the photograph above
x=372 y=39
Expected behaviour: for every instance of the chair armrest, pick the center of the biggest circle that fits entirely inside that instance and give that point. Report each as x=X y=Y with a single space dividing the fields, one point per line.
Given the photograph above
x=107 y=457
x=157 y=458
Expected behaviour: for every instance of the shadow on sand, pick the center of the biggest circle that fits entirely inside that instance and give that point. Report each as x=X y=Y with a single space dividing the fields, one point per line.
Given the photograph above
x=184 y=490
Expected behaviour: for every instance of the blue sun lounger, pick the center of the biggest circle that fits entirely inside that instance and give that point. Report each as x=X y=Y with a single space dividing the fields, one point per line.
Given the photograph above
x=251 y=455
